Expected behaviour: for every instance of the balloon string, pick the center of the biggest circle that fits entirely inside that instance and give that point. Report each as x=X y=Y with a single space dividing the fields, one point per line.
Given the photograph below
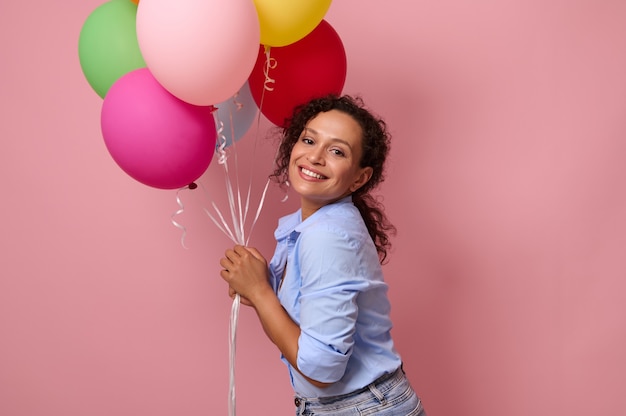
x=238 y=220
x=270 y=63
x=234 y=312
x=236 y=234
x=242 y=218
x=237 y=215
x=237 y=300
x=258 y=211
x=180 y=210
x=235 y=207
x=237 y=103
x=238 y=212
x=224 y=225
x=232 y=331
x=221 y=143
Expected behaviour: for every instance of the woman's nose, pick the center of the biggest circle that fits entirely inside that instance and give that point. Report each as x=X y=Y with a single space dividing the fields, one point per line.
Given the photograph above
x=316 y=156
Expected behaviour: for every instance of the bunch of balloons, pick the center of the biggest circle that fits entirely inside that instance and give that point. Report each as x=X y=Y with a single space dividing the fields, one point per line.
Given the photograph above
x=167 y=70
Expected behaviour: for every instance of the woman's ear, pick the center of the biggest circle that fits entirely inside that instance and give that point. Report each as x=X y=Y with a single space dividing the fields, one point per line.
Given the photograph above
x=362 y=178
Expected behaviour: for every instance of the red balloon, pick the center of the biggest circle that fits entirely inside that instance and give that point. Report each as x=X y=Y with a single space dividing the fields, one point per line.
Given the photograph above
x=314 y=66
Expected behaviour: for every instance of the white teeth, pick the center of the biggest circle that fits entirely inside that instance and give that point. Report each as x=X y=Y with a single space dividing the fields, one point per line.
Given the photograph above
x=311 y=174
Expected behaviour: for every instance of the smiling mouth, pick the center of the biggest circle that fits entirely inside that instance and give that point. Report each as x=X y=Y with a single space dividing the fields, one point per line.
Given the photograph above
x=312 y=174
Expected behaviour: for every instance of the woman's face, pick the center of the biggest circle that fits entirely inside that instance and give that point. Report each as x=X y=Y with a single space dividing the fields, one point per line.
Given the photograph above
x=324 y=164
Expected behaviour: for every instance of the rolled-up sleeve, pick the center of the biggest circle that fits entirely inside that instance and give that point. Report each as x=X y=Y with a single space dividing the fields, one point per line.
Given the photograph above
x=331 y=283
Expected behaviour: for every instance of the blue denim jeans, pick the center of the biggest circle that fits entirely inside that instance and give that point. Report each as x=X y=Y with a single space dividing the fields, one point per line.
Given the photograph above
x=392 y=396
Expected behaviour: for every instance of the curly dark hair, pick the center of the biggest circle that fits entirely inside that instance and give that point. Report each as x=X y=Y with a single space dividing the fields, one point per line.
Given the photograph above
x=375 y=141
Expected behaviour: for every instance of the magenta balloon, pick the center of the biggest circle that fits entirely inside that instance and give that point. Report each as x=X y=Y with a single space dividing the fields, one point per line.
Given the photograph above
x=201 y=51
x=156 y=138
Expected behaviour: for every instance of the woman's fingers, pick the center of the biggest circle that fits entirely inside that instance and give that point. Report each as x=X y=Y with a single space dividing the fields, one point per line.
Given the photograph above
x=225 y=263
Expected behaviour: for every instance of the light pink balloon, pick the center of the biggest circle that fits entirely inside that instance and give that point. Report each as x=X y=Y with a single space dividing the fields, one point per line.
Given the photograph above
x=201 y=51
x=155 y=137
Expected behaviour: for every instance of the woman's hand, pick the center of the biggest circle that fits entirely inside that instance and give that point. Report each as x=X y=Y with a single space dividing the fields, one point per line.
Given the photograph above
x=245 y=270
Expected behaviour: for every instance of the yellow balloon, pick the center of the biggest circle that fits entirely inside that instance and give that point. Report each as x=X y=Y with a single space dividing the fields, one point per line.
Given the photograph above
x=284 y=22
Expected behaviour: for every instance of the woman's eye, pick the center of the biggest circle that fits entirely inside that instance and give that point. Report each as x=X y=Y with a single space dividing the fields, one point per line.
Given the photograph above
x=307 y=140
x=338 y=152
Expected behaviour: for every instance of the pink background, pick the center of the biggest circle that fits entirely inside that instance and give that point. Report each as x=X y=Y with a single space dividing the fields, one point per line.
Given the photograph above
x=506 y=183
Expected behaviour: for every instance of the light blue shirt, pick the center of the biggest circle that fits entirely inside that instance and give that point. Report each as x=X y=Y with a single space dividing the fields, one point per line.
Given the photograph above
x=334 y=290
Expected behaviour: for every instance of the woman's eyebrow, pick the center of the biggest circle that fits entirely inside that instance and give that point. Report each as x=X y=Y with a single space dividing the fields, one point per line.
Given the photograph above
x=334 y=139
x=310 y=130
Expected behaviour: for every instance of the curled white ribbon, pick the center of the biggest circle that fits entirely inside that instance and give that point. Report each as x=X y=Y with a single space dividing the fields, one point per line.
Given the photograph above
x=180 y=210
x=270 y=63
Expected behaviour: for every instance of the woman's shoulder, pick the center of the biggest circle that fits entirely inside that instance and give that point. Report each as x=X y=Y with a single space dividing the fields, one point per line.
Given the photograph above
x=334 y=216
x=339 y=222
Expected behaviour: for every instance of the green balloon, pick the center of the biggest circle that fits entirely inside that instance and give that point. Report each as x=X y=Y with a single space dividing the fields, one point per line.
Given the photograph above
x=107 y=46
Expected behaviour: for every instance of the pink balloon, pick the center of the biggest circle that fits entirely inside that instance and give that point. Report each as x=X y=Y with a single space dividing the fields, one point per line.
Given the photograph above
x=201 y=51
x=155 y=137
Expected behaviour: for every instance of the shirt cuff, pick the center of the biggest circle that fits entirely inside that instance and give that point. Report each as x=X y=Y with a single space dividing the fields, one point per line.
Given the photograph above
x=320 y=362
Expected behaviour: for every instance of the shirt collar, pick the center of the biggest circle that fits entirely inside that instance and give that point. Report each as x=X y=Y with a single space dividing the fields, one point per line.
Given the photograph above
x=293 y=222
